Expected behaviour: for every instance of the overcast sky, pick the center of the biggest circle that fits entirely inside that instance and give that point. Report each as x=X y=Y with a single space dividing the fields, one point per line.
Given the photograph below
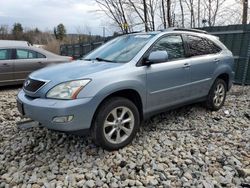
x=45 y=14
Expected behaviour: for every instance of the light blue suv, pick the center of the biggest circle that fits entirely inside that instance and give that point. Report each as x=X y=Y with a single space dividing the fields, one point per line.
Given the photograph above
x=127 y=80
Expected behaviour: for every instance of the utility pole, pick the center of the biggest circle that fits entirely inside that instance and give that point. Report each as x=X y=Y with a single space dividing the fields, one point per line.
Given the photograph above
x=245 y=8
x=145 y=15
x=163 y=14
x=103 y=32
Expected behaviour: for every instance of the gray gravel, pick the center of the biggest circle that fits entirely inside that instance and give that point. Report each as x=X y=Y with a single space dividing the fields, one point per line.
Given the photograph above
x=187 y=147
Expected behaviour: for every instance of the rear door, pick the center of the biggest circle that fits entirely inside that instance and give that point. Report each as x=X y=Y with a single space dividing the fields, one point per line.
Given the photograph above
x=167 y=82
x=42 y=60
x=6 y=65
x=204 y=57
x=26 y=62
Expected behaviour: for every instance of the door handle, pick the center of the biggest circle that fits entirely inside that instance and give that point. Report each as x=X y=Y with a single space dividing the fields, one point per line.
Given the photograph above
x=186 y=65
x=216 y=60
x=6 y=64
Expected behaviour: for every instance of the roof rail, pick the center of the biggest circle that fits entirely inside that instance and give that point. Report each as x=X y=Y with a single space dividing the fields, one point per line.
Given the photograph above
x=185 y=29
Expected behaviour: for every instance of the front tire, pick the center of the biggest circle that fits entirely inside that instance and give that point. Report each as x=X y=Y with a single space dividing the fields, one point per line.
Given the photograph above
x=217 y=95
x=115 y=124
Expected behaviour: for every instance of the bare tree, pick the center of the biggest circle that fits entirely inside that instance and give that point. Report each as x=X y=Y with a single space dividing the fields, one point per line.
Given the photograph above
x=163 y=14
x=190 y=5
x=182 y=14
x=4 y=32
x=115 y=10
x=146 y=16
x=199 y=13
x=245 y=10
x=169 y=13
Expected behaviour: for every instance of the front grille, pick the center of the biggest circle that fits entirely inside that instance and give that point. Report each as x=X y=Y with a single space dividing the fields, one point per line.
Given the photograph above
x=33 y=85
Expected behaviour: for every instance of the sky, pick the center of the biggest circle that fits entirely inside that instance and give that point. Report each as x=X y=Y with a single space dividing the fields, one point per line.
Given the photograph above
x=79 y=16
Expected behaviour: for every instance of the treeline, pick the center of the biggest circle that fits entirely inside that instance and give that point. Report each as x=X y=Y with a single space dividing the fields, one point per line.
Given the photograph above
x=17 y=32
x=131 y=15
x=50 y=39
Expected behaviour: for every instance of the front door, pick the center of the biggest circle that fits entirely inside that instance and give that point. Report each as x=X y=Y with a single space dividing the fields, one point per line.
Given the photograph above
x=167 y=82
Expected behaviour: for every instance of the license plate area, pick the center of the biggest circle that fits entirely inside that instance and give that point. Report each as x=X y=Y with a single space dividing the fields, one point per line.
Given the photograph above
x=20 y=107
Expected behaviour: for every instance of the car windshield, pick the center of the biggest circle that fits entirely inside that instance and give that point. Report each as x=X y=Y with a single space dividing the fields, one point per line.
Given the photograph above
x=121 y=49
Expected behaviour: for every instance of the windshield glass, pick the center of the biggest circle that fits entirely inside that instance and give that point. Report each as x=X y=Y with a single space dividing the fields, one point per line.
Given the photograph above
x=121 y=49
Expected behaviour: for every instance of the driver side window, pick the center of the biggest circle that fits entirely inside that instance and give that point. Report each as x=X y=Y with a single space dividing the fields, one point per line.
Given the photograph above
x=173 y=45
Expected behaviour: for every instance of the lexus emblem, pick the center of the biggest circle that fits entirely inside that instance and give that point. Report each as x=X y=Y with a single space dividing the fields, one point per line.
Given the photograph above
x=26 y=83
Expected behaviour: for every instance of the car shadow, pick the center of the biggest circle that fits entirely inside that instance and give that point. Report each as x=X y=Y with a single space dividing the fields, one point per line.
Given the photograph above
x=11 y=87
x=45 y=140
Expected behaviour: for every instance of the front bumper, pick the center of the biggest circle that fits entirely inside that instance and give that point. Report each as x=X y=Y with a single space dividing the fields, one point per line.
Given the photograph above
x=44 y=110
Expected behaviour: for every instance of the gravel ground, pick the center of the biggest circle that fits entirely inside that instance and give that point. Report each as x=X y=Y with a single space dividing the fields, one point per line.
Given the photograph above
x=187 y=147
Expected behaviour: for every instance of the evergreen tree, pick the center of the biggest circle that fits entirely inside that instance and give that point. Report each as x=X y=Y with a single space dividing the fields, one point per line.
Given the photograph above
x=60 y=32
x=17 y=31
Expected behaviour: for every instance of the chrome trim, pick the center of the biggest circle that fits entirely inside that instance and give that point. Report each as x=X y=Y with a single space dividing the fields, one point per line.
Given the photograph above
x=29 y=92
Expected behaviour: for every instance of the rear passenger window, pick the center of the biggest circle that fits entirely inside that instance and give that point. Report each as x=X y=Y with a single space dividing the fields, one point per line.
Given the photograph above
x=5 y=54
x=22 y=54
x=40 y=55
x=28 y=54
x=201 y=46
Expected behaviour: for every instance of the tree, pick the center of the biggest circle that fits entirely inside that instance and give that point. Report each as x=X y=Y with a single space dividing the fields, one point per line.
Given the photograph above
x=4 y=32
x=169 y=13
x=115 y=9
x=245 y=10
x=182 y=14
x=17 y=31
x=60 y=32
x=145 y=11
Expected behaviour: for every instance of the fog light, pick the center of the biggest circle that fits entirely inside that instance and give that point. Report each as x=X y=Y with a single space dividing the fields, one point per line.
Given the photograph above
x=62 y=119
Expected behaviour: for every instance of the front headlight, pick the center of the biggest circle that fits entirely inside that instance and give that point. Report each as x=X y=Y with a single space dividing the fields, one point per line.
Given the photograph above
x=67 y=90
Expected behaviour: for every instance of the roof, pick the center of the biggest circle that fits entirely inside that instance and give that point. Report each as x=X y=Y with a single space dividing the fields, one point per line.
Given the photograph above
x=11 y=43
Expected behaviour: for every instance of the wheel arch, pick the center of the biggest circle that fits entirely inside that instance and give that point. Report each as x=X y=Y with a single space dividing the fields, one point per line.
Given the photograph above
x=225 y=77
x=130 y=94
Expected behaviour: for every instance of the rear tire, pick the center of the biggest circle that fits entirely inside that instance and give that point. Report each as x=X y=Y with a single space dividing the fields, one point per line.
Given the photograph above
x=115 y=124
x=217 y=95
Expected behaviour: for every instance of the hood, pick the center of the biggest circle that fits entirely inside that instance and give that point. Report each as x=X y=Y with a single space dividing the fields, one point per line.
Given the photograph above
x=72 y=71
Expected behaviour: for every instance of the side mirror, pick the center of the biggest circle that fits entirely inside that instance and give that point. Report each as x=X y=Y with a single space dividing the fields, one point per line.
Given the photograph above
x=157 y=57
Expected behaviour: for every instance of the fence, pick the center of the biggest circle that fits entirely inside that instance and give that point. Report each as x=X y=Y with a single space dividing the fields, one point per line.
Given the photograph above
x=78 y=50
x=235 y=37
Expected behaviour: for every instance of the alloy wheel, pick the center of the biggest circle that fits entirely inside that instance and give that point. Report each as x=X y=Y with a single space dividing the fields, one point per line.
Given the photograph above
x=219 y=94
x=118 y=125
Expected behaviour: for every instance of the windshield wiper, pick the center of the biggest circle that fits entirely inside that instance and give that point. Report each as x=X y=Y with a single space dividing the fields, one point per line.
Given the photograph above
x=87 y=59
x=101 y=59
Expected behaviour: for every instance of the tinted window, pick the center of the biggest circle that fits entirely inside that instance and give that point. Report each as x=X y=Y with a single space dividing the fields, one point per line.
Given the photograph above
x=27 y=54
x=200 y=46
x=5 y=54
x=40 y=55
x=171 y=44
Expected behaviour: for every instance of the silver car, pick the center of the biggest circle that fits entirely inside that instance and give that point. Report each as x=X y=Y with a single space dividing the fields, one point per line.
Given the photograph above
x=115 y=87
x=18 y=59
